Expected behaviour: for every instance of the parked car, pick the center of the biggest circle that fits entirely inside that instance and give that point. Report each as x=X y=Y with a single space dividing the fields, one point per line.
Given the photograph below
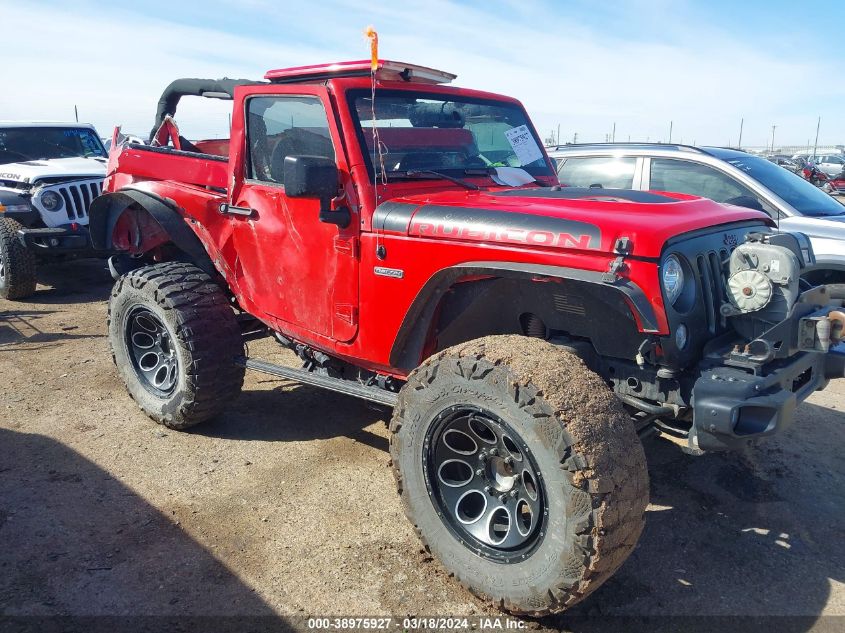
x=49 y=174
x=724 y=175
x=830 y=164
x=786 y=162
x=409 y=241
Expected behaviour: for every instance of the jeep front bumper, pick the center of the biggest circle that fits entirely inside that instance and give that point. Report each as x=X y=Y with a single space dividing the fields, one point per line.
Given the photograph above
x=70 y=239
x=740 y=401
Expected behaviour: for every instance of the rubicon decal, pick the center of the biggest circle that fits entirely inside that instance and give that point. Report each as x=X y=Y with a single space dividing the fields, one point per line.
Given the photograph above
x=485 y=225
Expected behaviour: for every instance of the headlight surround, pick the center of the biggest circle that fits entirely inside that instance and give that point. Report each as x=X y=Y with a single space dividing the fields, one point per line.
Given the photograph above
x=51 y=201
x=672 y=276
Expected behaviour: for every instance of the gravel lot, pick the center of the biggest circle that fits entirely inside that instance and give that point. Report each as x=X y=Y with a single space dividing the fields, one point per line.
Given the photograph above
x=286 y=505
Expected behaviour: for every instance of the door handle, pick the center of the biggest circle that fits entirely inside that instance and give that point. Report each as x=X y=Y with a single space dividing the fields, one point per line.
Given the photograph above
x=230 y=209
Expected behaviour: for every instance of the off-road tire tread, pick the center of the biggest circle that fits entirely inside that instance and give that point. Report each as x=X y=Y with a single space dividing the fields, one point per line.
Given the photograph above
x=207 y=330
x=21 y=277
x=600 y=450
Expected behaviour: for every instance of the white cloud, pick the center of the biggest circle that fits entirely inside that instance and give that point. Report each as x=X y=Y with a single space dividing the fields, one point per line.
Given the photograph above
x=114 y=63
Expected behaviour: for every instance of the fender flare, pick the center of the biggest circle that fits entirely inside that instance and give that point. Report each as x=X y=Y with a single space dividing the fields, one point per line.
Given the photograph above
x=107 y=209
x=408 y=346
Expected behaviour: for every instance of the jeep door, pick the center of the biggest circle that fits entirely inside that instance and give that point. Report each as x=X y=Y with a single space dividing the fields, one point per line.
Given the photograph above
x=295 y=269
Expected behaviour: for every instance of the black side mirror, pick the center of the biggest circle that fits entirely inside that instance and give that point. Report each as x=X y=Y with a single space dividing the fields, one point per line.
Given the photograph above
x=310 y=177
x=316 y=177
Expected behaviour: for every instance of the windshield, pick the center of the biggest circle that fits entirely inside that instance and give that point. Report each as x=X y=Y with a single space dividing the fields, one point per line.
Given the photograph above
x=804 y=197
x=39 y=143
x=426 y=131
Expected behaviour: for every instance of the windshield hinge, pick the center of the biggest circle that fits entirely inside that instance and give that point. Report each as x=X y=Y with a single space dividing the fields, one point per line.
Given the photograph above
x=622 y=247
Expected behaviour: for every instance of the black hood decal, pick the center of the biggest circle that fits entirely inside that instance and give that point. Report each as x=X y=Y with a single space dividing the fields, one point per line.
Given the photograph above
x=488 y=225
x=485 y=225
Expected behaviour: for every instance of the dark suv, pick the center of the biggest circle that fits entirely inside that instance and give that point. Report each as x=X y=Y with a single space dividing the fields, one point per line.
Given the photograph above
x=724 y=175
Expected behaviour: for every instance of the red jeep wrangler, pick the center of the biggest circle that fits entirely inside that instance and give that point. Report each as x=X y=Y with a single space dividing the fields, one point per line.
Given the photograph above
x=408 y=240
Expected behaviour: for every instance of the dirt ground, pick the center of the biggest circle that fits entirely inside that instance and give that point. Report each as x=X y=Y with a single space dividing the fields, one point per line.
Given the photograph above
x=285 y=505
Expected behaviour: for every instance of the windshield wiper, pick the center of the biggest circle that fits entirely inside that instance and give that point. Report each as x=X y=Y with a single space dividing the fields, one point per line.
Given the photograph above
x=413 y=173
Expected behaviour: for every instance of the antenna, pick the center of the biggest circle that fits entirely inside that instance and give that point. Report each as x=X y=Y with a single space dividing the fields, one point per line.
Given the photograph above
x=76 y=113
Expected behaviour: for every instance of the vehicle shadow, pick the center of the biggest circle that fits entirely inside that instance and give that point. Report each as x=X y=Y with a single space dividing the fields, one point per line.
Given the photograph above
x=72 y=281
x=758 y=534
x=22 y=326
x=293 y=412
x=78 y=543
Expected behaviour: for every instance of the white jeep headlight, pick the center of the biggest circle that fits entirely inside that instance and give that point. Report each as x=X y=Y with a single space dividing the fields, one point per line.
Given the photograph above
x=673 y=278
x=51 y=201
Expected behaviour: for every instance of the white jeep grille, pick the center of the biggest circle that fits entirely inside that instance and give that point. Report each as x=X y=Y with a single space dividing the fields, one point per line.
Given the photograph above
x=77 y=197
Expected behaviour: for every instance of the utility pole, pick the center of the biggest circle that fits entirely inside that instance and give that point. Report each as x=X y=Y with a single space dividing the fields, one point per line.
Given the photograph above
x=741 y=124
x=76 y=113
x=613 y=134
x=671 y=123
x=816 y=145
x=575 y=138
x=558 y=134
x=774 y=127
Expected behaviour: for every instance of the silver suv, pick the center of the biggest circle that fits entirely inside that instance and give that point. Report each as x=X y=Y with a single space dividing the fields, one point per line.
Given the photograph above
x=724 y=175
x=831 y=164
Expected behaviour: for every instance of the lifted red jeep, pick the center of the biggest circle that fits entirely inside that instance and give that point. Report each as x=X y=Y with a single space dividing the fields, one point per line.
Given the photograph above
x=408 y=240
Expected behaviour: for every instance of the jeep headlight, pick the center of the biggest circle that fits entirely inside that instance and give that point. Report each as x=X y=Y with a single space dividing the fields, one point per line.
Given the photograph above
x=51 y=201
x=673 y=278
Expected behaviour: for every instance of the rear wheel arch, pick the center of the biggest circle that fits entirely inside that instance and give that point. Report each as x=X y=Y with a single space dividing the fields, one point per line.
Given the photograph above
x=476 y=299
x=131 y=210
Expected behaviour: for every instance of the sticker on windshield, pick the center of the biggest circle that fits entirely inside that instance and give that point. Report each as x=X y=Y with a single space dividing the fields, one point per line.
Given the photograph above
x=524 y=145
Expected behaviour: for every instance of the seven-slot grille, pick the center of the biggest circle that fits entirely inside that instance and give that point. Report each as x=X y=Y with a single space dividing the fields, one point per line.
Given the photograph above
x=708 y=268
x=78 y=196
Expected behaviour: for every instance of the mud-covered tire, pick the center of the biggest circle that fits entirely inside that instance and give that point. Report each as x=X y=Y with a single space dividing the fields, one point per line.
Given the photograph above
x=589 y=457
x=202 y=333
x=17 y=263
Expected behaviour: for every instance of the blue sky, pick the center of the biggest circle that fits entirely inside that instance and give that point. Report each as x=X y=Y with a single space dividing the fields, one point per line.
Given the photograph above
x=583 y=65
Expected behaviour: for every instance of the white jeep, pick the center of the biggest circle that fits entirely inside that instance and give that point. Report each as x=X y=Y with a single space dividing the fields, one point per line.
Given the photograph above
x=49 y=175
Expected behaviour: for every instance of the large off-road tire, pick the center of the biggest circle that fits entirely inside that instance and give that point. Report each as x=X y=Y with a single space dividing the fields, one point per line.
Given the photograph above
x=17 y=263
x=174 y=339
x=550 y=496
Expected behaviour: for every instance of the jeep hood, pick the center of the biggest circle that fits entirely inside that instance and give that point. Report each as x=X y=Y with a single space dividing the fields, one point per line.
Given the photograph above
x=31 y=171
x=563 y=218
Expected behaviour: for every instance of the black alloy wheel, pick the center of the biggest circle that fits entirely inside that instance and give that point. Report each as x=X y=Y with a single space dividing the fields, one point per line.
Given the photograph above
x=151 y=351
x=485 y=483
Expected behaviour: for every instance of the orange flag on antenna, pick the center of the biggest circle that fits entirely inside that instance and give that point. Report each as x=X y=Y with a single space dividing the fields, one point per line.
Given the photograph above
x=373 y=37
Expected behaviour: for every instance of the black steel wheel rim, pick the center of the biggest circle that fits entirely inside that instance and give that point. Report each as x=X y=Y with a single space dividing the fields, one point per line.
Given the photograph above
x=485 y=484
x=152 y=351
